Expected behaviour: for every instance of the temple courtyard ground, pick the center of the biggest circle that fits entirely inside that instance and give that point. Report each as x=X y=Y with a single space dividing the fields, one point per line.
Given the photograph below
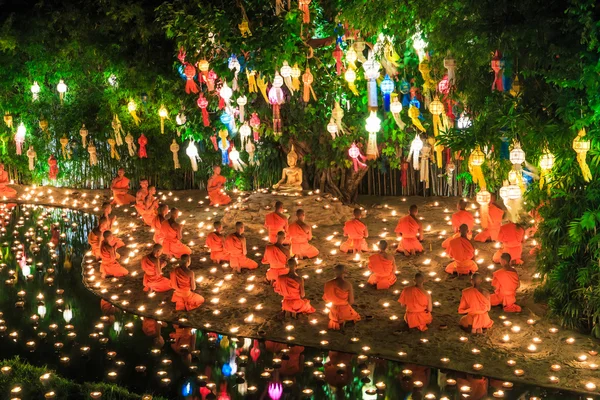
x=244 y=305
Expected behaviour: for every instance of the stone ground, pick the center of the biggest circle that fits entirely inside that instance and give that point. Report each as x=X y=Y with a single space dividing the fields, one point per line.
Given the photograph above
x=245 y=305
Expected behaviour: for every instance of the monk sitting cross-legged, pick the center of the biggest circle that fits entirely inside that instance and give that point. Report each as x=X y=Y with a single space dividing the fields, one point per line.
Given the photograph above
x=109 y=266
x=235 y=245
x=494 y=217
x=276 y=256
x=215 y=241
x=300 y=233
x=152 y=266
x=120 y=187
x=184 y=283
x=418 y=304
x=356 y=232
x=215 y=187
x=506 y=282
x=107 y=212
x=171 y=230
x=150 y=205
x=159 y=218
x=383 y=268
x=411 y=230
x=462 y=216
x=462 y=251
x=475 y=302
x=291 y=287
x=140 y=197
x=5 y=191
x=511 y=236
x=104 y=226
x=276 y=221
x=95 y=240
x=339 y=295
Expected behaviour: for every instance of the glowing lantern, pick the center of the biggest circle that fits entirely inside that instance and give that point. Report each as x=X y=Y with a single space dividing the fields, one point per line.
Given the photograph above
x=463 y=122
x=517 y=155
x=62 y=89
x=437 y=109
x=337 y=55
x=415 y=149
x=373 y=125
x=338 y=114
x=419 y=44
x=276 y=99
x=35 y=91
x=235 y=66
x=226 y=93
x=132 y=107
x=192 y=153
x=351 y=57
x=450 y=65
x=255 y=124
x=332 y=128
x=350 y=76
x=174 y=147
x=245 y=132
x=513 y=192
x=357 y=157
x=163 y=114
x=387 y=87
x=241 y=102
x=296 y=73
x=515 y=88
x=8 y=119
x=112 y=80
x=476 y=160
x=581 y=146
x=286 y=73
x=307 y=80
x=180 y=118
x=371 y=67
x=68 y=314
x=203 y=104
x=203 y=66
x=20 y=138
x=396 y=109
x=414 y=113
x=483 y=198
x=503 y=192
x=83 y=132
x=546 y=164
x=236 y=161
x=190 y=72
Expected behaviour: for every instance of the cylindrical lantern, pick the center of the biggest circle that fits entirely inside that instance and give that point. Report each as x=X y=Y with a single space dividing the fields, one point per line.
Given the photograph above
x=517 y=155
x=387 y=87
x=371 y=67
x=62 y=89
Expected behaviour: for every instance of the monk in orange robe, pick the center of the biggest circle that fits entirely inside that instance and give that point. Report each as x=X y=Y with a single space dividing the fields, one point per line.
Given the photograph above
x=511 y=236
x=152 y=328
x=494 y=217
x=157 y=221
x=94 y=240
x=475 y=302
x=215 y=241
x=276 y=221
x=462 y=216
x=340 y=295
x=356 y=232
x=235 y=245
x=150 y=206
x=152 y=266
x=109 y=266
x=411 y=230
x=104 y=225
x=183 y=342
x=276 y=257
x=140 y=197
x=215 y=186
x=5 y=191
x=291 y=287
x=506 y=282
x=300 y=233
x=120 y=187
x=107 y=212
x=462 y=251
x=383 y=268
x=184 y=283
x=171 y=230
x=418 y=304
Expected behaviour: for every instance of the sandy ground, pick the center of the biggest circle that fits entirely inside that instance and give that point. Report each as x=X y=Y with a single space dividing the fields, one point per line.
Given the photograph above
x=245 y=305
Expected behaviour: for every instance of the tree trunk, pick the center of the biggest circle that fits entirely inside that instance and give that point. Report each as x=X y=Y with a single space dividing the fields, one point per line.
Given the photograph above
x=343 y=183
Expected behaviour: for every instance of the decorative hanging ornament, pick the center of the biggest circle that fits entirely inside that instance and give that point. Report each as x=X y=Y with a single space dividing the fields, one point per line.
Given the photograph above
x=35 y=91
x=581 y=146
x=337 y=55
x=476 y=160
x=8 y=120
x=338 y=114
x=450 y=65
x=296 y=73
x=428 y=83
x=357 y=157
x=236 y=161
x=424 y=163
x=396 y=109
x=62 y=89
x=130 y=145
x=113 y=151
x=190 y=72
x=142 y=141
x=224 y=146
x=387 y=87
x=351 y=57
x=371 y=67
x=373 y=125
x=332 y=128
x=463 y=122
x=211 y=77
x=174 y=147
x=515 y=89
x=93 y=155
x=203 y=104
x=517 y=155
x=286 y=74
x=498 y=68
x=437 y=109
x=546 y=164
x=192 y=153
x=250 y=149
x=163 y=114
x=117 y=130
x=52 y=168
x=32 y=155
x=276 y=98
x=262 y=86
x=66 y=151
x=245 y=132
x=83 y=132
x=307 y=80
x=415 y=150
x=235 y=66
x=414 y=113
x=303 y=5
x=251 y=75
x=241 y=102
x=484 y=198
x=350 y=76
x=132 y=108
x=20 y=138
x=255 y=124
x=419 y=44
x=244 y=28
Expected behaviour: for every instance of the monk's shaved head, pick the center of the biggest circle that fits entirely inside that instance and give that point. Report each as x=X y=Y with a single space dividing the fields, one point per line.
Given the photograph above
x=292 y=263
x=339 y=270
x=413 y=209
x=299 y=212
x=239 y=225
x=476 y=279
x=162 y=207
x=174 y=212
x=106 y=234
x=383 y=245
x=216 y=224
x=186 y=260
x=505 y=257
x=464 y=230
x=156 y=248
x=462 y=204
x=278 y=205
x=419 y=278
x=357 y=212
x=280 y=236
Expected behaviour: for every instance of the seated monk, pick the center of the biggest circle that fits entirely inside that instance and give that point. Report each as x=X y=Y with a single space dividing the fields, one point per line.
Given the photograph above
x=215 y=241
x=151 y=206
x=104 y=225
x=94 y=240
x=55 y=237
x=120 y=187
x=506 y=282
x=171 y=231
x=157 y=221
x=356 y=232
x=140 y=197
x=383 y=268
x=300 y=233
x=462 y=216
x=418 y=304
x=107 y=212
x=411 y=230
x=462 y=251
x=235 y=245
x=184 y=283
x=291 y=287
x=276 y=221
x=495 y=214
x=152 y=328
x=109 y=266
x=475 y=302
x=276 y=257
x=5 y=191
x=152 y=266
x=511 y=236
x=215 y=186
x=339 y=295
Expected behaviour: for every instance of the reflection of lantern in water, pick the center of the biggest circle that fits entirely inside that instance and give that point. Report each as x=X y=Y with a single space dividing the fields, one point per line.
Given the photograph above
x=41 y=309
x=275 y=390
x=68 y=314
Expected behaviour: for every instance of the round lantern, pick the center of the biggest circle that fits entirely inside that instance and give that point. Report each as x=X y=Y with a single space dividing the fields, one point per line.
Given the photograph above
x=277 y=81
x=203 y=65
x=61 y=87
x=242 y=101
x=131 y=106
x=436 y=107
x=35 y=91
x=162 y=112
x=417 y=144
x=517 y=155
x=226 y=92
x=351 y=55
x=371 y=67
x=513 y=177
x=547 y=160
x=245 y=130
x=503 y=192
x=296 y=72
x=387 y=85
x=483 y=197
x=477 y=157
x=581 y=146
x=396 y=106
x=513 y=192
x=286 y=70
x=464 y=122
x=350 y=75
x=225 y=119
x=373 y=123
x=332 y=127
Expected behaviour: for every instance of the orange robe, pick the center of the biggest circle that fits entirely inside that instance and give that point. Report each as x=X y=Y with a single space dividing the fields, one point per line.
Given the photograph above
x=506 y=284
x=276 y=260
x=459 y=218
x=157 y=225
x=151 y=327
x=275 y=223
x=120 y=187
x=462 y=251
x=109 y=265
x=382 y=271
x=495 y=215
x=237 y=253
x=6 y=191
x=152 y=280
x=356 y=232
x=140 y=201
x=416 y=302
x=183 y=341
x=94 y=242
x=476 y=306
x=171 y=244
x=107 y=308
x=511 y=237
x=216 y=243
x=409 y=229
x=215 y=193
x=299 y=241
x=340 y=311
x=290 y=290
x=183 y=297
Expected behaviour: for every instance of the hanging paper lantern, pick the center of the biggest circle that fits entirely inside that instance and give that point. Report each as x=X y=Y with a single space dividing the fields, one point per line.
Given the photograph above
x=93 y=154
x=224 y=146
x=373 y=125
x=203 y=104
x=255 y=124
x=351 y=57
x=203 y=66
x=35 y=91
x=226 y=120
x=251 y=75
x=245 y=132
x=515 y=89
x=357 y=157
x=62 y=89
x=142 y=141
x=443 y=85
x=307 y=80
x=286 y=74
x=419 y=44
x=52 y=168
x=180 y=118
x=450 y=65
x=112 y=81
x=498 y=67
x=581 y=146
x=517 y=155
x=132 y=107
x=414 y=113
x=463 y=122
x=513 y=192
x=503 y=192
x=211 y=77
x=350 y=77
x=250 y=148
x=332 y=128
x=32 y=155
x=338 y=114
x=546 y=164
x=235 y=66
x=405 y=90
x=296 y=73
x=241 y=102
x=226 y=93
x=130 y=145
x=20 y=138
x=190 y=72
x=396 y=109
x=163 y=114
x=192 y=153
x=174 y=147
x=236 y=162
x=415 y=149
x=371 y=67
x=113 y=150
x=276 y=98
x=476 y=160
x=303 y=6
x=387 y=87
x=8 y=120
x=484 y=198
x=337 y=55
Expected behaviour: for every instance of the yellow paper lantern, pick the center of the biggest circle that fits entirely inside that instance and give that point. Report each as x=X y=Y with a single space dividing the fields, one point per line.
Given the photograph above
x=581 y=146
x=163 y=114
x=477 y=157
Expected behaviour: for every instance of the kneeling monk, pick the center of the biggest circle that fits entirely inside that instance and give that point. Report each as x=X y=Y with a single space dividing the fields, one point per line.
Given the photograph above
x=340 y=294
x=462 y=251
x=120 y=187
x=291 y=287
x=5 y=191
x=356 y=232
x=418 y=304
x=140 y=197
x=215 y=241
x=506 y=282
x=411 y=230
x=475 y=302
x=511 y=236
x=462 y=216
x=171 y=231
x=109 y=266
x=152 y=266
x=276 y=257
x=159 y=218
x=383 y=268
x=95 y=240
x=215 y=186
x=276 y=221
x=300 y=233
x=184 y=283
x=235 y=245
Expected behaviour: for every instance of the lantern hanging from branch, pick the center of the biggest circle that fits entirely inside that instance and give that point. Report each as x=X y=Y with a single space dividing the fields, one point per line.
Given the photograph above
x=387 y=87
x=142 y=141
x=93 y=153
x=130 y=144
x=419 y=44
x=437 y=109
x=463 y=122
x=241 y=102
x=303 y=5
x=203 y=104
x=350 y=76
x=190 y=72
x=351 y=57
x=83 y=132
x=546 y=164
x=286 y=74
x=498 y=68
x=338 y=114
x=296 y=73
x=262 y=86
x=8 y=120
x=251 y=76
x=450 y=65
x=396 y=109
x=32 y=155
x=337 y=55
x=414 y=113
x=415 y=150
x=424 y=165
x=255 y=124
x=245 y=132
x=515 y=88
x=132 y=108
x=174 y=147
x=225 y=93
x=371 y=67
x=307 y=80
x=236 y=161
x=357 y=157
x=373 y=125
x=224 y=146
x=250 y=148
x=20 y=138
x=113 y=150
x=276 y=99
x=163 y=114
x=332 y=128
x=62 y=89
x=234 y=65
x=582 y=145
x=476 y=160
x=66 y=151
x=192 y=153
x=517 y=155
x=35 y=91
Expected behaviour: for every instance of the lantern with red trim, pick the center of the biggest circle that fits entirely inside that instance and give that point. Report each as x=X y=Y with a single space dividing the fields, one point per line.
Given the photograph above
x=190 y=72
x=203 y=104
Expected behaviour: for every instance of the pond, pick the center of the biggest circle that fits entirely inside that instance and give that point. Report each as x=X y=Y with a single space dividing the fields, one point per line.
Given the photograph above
x=50 y=318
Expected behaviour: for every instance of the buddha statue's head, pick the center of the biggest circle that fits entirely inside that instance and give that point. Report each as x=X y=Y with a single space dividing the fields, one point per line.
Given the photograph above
x=292 y=157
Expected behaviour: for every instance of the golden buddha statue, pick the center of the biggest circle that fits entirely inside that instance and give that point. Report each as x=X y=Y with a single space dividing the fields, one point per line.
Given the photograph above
x=291 y=177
